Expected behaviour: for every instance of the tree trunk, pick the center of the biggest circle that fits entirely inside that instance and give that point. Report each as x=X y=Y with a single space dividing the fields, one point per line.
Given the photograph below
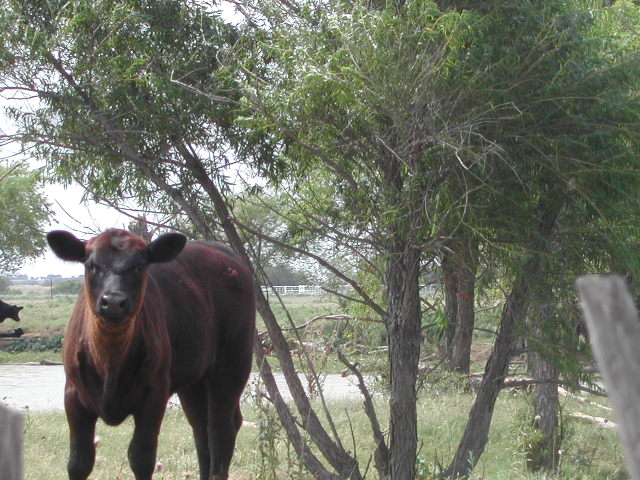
x=288 y=421
x=459 y=266
x=545 y=456
x=403 y=324
x=450 y=285
x=476 y=433
x=333 y=451
x=543 y=452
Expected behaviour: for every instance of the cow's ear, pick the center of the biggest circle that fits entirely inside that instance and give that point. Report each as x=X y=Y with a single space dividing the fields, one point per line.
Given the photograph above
x=66 y=246
x=166 y=247
x=19 y=308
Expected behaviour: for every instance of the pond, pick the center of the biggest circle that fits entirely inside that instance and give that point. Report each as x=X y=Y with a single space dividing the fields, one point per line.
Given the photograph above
x=41 y=387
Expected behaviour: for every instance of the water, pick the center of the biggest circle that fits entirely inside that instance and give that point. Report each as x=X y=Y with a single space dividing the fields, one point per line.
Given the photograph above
x=33 y=387
x=41 y=388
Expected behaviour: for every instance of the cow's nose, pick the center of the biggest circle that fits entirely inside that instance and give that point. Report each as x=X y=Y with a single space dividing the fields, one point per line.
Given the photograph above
x=113 y=305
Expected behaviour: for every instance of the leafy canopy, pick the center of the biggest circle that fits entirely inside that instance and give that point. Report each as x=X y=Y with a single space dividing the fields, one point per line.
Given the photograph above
x=25 y=212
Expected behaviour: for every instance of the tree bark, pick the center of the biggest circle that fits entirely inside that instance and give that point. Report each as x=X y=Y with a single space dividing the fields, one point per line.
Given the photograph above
x=543 y=455
x=546 y=418
x=450 y=285
x=403 y=324
x=459 y=266
x=476 y=433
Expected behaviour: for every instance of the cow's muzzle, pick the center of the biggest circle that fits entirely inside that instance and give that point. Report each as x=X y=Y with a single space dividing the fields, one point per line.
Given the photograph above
x=114 y=306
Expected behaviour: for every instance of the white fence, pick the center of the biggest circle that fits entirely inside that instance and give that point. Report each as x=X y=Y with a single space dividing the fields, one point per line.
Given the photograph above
x=294 y=289
x=429 y=289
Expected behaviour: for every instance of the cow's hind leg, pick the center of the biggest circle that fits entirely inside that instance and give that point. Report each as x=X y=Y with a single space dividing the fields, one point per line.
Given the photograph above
x=224 y=388
x=224 y=422
x=194 y=403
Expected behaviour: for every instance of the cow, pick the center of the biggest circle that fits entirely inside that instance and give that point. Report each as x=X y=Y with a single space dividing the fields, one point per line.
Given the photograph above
x=17 y=333
x=153 y=319
x=9 y=311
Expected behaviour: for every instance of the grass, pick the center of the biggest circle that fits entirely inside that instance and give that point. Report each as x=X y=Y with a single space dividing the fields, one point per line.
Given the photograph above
x=262 y=452
x=46 y=316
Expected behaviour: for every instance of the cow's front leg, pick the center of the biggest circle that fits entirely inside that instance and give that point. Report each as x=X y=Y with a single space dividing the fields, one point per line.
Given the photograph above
x=82 y=427
x=143 y=446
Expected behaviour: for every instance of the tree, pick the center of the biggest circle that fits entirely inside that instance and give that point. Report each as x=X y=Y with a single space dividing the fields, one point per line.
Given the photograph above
x=540 y=108
x=25 y=212
x=373 y=108
x=566 y=158
x=68 y=287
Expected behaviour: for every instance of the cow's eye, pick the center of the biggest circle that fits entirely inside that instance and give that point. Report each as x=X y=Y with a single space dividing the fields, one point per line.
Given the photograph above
x=93 y=268
x=136 y=268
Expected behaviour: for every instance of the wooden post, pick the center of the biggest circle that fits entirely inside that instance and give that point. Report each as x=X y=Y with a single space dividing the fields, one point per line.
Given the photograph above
x=614 y=330
x=11 y=432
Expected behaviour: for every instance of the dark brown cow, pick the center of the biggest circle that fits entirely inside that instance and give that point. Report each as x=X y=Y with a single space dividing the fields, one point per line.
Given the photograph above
x=154 y=319
x=9 y=311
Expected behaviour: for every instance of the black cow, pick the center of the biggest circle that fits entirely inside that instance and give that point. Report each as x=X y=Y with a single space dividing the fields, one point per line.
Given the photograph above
x=9 y=311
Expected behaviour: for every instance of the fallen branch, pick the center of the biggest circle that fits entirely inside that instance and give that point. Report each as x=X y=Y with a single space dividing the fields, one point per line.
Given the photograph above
x=603 y=422
x=566 y=393
x=331 y=317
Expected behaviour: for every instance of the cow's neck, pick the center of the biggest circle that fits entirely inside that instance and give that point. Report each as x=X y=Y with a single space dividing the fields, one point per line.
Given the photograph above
x=110 y=346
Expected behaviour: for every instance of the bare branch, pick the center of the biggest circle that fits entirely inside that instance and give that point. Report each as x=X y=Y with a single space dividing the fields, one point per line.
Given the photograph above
x=366 y=298
x=381 y=454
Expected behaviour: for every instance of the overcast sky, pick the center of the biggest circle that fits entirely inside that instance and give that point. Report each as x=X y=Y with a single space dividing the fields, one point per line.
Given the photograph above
x=74 y=215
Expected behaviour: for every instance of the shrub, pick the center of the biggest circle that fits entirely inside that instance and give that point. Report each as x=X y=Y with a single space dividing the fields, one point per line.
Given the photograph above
x=36 y=344
x=68 y=287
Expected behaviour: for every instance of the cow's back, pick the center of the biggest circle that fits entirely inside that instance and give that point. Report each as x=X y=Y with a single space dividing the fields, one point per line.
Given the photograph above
x=206 y=298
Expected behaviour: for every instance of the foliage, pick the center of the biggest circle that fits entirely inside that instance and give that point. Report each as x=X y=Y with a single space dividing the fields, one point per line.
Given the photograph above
x=25 y=212
x=36 y=344
x=113 y=106
x=67 y=287
x=569 y=144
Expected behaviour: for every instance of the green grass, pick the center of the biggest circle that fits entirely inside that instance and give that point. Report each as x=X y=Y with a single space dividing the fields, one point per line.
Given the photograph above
x=45 y=316
x=589 y=452
x=41 y=315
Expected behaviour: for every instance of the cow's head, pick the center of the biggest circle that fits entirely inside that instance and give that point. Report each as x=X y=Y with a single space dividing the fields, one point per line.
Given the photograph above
x=115 y=267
